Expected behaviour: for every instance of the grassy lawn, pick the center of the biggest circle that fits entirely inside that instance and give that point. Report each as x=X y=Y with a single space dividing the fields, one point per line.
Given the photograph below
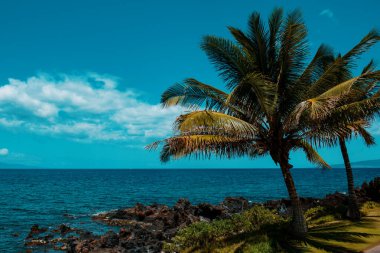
x=326 y=235
x=334 y=236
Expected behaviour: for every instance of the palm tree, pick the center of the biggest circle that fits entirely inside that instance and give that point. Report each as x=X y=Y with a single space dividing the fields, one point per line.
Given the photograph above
x=274 y=102
x=366 y=102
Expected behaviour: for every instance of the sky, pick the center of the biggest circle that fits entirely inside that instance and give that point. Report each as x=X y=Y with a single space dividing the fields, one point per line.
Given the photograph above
x=80 y=81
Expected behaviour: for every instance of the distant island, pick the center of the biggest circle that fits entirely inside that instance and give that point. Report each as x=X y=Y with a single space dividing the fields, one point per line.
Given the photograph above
x=362 y=164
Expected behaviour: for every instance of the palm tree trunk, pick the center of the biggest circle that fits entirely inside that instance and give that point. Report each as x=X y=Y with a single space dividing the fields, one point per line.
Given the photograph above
x=353 y=211
x=299 y=222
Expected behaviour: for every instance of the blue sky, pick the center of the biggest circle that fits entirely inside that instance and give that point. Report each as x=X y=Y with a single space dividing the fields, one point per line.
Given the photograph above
x=80 y=81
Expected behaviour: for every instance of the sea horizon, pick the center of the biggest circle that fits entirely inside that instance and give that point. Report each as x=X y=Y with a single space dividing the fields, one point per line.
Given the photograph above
x=295 y=168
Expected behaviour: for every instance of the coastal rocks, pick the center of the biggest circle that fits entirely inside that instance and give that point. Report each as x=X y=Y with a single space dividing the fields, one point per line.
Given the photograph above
x=63 y=229
x=109 y=240
x=235 y=205
x=371 y=190
x=36 y=230
x=209 y=211
x=284 y=206
x=143 y=228
x=183 y=212
x=60 y=238
x=131 y=239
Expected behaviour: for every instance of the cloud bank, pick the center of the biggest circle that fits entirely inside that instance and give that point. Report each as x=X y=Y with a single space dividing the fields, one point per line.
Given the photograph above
x=88 y=107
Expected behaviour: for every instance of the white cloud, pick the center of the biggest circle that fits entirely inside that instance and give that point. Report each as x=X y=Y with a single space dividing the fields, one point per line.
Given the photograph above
x=4 y=151
x=88 y=107
x=328 y=13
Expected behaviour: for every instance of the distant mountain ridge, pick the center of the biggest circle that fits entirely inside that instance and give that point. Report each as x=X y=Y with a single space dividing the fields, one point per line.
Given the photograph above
x=362 y=164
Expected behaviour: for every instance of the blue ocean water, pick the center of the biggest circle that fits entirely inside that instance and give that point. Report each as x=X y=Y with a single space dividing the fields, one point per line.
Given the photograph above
x=53 y=197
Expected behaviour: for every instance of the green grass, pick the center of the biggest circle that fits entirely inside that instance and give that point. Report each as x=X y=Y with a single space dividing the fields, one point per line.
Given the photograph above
x=260 y=230
x=346 y=236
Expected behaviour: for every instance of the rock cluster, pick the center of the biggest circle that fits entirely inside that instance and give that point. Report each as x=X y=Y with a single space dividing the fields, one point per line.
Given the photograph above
x=142 y=228
x=371 y=190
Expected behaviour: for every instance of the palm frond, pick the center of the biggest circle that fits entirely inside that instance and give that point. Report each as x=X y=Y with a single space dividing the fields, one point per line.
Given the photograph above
x=370 y=67
x=275 y=22
x=339 y=69
x=206 y=146
x=256 y=92
x=363 y=46
x=194 y=95
x=359 y=129
x=318 y=108
x=206 y=122
x=327 y=134
x=293 y=49
x=259 y=37
x=244 y=41
x=228 y=59
x=355 y=111
x=311 y=154
x=323 y=57
x=297 y=90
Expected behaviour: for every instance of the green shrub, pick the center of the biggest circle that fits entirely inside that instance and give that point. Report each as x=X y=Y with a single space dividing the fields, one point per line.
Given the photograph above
x=315 y=213
x=368 y=206
x=320 y=214
x=324 y=219
x=259 y=216
x=201 y=234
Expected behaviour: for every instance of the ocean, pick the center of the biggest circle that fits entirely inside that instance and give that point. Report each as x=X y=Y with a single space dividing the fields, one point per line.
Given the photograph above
x=52 y=197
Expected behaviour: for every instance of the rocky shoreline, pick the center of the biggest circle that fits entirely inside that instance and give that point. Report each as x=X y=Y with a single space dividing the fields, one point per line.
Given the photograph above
x=144 y=228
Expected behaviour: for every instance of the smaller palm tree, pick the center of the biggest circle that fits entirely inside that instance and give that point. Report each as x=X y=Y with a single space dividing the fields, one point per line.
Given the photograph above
x=364 y=103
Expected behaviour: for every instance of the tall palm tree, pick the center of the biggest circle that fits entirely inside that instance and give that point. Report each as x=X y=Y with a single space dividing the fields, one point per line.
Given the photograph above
x=366 y=102
x=274 y=101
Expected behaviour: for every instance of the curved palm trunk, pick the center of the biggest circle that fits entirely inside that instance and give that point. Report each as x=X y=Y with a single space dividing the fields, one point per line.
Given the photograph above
x=299 y=222
x=353 y=211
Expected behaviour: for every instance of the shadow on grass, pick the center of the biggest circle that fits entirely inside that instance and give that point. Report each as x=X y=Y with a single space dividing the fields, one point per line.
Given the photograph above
x=331 y=238
x=341 y=236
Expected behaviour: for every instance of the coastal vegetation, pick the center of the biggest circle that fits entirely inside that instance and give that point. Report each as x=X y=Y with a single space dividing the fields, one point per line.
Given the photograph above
x=275 y=103
x=262 y=230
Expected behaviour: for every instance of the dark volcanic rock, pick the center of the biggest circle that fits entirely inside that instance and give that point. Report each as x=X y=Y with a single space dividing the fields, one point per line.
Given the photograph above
x=235 y=205
x=209 y=211
x=143 y=227
x=36 y=242
x=36 y=230
x=109 y=240
x=146 y=227
x=63 y=229
x=371 y=190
